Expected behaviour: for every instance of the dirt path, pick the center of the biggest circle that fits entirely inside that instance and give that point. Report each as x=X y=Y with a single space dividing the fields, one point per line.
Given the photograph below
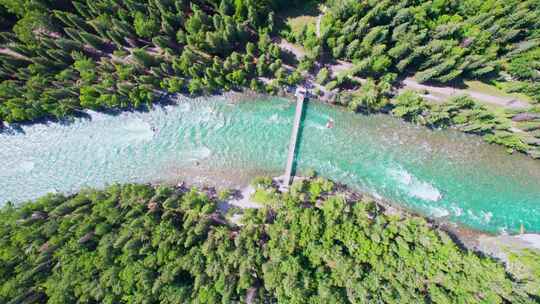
x=445 y=92
x=322 y=8
x=340 y=66
x=318 y=26
x=294 y=49
x=441 y=93
x=244 y=200
x=429 y=92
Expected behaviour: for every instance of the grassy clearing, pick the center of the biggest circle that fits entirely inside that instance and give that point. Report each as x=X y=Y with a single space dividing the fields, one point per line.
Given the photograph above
x=494 y=89
x=297 y=23
x=298 y=17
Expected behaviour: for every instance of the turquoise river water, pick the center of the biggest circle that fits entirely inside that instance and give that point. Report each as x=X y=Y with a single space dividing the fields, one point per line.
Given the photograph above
x=437 y=173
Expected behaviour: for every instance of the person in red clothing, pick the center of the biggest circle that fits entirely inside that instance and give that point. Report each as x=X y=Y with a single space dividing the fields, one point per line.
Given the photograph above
x=330 y=123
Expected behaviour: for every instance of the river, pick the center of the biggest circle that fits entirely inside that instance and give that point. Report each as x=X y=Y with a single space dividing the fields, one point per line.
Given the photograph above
x=441 y=173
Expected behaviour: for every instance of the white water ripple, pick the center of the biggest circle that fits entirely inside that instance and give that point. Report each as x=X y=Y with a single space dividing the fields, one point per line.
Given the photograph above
x=415 y=187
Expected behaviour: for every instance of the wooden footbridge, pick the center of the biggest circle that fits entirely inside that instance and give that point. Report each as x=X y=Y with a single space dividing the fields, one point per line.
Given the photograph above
x=300 y=97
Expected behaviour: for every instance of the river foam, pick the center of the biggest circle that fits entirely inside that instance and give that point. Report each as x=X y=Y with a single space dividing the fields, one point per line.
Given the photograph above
x=137 y=130
x=26 y=166
x=415 y=187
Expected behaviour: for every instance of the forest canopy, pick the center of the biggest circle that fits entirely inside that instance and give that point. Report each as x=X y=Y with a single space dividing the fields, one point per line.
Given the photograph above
x=438 y=40
x=61 y=57
x=318 y=243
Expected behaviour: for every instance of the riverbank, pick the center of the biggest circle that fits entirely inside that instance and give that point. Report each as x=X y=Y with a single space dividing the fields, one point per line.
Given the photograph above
x=506 y=248
x=518 y=130
x=143 y=233
x=516 y=252
x=238 y=182
x=495 y=245
x=498 y=246
x=517 y=121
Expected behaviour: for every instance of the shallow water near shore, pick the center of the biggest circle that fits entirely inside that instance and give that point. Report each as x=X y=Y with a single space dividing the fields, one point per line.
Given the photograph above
x=437 y=173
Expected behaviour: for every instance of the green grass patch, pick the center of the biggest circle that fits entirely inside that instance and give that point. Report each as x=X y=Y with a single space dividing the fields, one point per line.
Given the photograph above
x=495 y=89
x=529 y=125
x=264 y=196
x=525 y=265
x=297 y=23
x=298 y=17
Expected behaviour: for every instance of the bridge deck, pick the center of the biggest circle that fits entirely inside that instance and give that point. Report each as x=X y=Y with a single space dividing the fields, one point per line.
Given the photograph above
x=294 y=137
